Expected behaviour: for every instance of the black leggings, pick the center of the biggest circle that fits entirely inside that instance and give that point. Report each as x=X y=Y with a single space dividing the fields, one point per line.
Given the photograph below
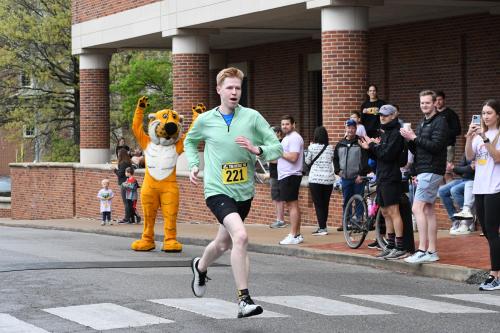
x=487 y=213
x=321 y=198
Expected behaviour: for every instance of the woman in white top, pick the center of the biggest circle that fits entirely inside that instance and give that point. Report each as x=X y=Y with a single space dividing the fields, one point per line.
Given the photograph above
x=483 y=145
x=321 y=176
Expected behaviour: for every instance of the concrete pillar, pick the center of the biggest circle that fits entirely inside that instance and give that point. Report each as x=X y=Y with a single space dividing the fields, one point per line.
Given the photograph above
x=94 y=108
x=344 y=64
x=190 y=73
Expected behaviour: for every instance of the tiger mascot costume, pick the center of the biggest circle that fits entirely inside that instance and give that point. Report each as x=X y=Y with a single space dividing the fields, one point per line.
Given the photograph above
x=163 y=143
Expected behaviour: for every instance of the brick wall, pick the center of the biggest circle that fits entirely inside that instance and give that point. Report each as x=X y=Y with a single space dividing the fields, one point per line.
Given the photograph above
x=60 y=190
x=278 y=82
x=458 y=55
x=94 y=108
x=7 y=153
x=190 y=83
x=42 y=191
x=86 y=10
x=344 y=77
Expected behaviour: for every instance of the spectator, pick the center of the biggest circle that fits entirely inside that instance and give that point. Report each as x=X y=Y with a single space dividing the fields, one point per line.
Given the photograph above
x=273 y=180
x=350 y=163
x=290 y=167
x=137 y=159
x=452 y=193
x=321 y=176
x=123 y=163
x=360 y=128
x=131 y=187
x=429 y=147
x=454 y=128
x=105 y=196
x=483 y=145
x=387 y=151
x=369 y=112
x=121 y=145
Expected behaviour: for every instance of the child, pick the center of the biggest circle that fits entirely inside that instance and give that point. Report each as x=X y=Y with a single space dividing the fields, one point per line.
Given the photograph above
x=360 y=129
x=131 y=185
x=105 y=195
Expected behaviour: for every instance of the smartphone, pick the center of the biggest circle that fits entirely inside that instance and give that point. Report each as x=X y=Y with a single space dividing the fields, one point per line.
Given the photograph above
x=476 y=119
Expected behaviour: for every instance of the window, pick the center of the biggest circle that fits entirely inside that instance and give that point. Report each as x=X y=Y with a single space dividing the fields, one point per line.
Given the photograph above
x=28 y=131
x=25 y=80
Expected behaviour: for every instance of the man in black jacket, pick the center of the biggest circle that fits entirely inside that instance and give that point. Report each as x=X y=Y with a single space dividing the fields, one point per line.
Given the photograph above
x=387 y=152
x=429 y=148
x=454 y=127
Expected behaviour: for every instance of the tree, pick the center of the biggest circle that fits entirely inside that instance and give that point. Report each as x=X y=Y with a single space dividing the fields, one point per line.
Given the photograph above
x=39 y=84
x=134 y=74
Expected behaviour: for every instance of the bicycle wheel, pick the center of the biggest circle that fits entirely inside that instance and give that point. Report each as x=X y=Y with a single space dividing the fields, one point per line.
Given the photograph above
x=379 y=235
x=354 y=221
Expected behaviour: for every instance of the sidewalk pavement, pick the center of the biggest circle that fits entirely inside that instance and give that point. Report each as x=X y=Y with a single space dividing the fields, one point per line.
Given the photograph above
x=463 y=258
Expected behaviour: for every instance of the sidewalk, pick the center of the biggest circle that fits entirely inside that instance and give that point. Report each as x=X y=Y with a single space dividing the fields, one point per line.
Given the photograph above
x=463 y=258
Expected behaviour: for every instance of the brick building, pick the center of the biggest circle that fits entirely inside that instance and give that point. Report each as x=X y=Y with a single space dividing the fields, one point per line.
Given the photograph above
x=312 y=59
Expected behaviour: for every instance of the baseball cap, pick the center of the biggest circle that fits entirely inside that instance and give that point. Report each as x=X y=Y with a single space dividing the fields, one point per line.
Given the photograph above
x=351 y=122
x=387 y=110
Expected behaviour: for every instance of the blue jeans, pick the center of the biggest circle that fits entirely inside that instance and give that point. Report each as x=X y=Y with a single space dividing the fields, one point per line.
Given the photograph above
x=452 y=191
x=349 y=188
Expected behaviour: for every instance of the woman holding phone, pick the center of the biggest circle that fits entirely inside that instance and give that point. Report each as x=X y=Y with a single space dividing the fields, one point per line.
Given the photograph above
x=483 y=145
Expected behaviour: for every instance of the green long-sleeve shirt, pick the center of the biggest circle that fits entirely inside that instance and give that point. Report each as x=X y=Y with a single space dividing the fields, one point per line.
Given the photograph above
x=229 y=169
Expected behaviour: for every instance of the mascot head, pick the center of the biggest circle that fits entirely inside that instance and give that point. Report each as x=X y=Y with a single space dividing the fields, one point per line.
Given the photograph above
x=165 y=127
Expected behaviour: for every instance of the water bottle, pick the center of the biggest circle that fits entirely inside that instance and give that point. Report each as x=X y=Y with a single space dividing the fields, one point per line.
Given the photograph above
x=369 y=204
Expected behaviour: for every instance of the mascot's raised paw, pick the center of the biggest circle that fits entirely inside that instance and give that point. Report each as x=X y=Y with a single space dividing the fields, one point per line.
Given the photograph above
x=142 y=102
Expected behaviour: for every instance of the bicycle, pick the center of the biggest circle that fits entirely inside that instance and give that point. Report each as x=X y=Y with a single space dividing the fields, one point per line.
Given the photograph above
x=357 y=220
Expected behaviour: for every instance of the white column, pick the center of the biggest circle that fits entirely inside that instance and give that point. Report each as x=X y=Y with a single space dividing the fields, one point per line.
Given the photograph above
x=94 y=108
x=344 y=18
x=191 y=44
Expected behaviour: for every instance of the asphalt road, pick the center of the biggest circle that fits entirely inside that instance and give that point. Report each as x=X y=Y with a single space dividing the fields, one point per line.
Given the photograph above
x=57 y=281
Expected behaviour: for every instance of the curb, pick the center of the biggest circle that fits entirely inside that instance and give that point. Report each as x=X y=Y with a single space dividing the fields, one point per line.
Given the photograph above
x=441 y=271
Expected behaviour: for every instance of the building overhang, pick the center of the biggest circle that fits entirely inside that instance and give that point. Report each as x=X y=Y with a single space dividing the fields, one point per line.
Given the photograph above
x=240 y=23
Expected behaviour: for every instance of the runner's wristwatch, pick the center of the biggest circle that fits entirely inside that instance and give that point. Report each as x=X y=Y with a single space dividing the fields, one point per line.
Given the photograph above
x=486 y=140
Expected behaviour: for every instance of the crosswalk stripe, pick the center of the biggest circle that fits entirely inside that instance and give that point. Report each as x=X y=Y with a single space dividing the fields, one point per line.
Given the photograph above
x=106 y=316
x=420 y=304
x=210 y=307
x=322 y=305
x=10 y=324
x=475 y=298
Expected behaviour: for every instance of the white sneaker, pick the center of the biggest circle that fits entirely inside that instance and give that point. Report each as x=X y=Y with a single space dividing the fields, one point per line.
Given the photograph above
x=431 y=257
x=416 y=258
x=248 y=308
x=463 y=229
x=454 y=227
x=199 y=282
x=464 y=214
x=103 y=223
x=291 y=240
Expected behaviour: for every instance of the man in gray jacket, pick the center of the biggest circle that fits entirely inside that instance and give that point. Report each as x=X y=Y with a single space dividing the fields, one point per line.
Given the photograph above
x=350 y=163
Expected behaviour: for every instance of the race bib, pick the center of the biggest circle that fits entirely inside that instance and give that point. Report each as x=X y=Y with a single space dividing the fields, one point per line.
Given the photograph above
x=234 y=173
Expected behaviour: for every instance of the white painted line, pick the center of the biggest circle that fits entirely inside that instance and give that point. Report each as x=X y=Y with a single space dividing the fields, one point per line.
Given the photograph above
x=106 y=316
x=322 y=305
x=9 y=324
x=420 y=304
x=211 y=307
x=476 y=298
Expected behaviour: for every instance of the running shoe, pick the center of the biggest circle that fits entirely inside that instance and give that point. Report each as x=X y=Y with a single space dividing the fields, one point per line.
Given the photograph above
x=248 y=308
x=490 y=284
x=199 y=282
